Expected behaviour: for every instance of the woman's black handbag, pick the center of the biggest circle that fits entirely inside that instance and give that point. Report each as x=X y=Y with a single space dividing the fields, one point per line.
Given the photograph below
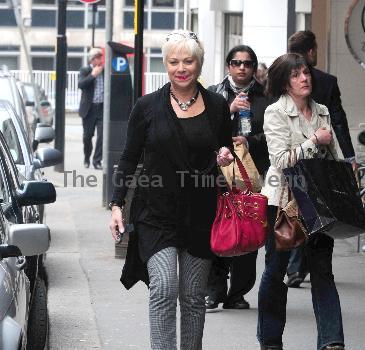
x=328 y=197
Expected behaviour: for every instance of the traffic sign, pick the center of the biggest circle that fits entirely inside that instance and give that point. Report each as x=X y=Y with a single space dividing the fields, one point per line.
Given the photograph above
x=119 y=64
x=89 y=1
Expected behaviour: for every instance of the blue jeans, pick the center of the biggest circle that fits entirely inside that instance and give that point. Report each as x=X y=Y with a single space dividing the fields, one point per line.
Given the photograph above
x=273 y=291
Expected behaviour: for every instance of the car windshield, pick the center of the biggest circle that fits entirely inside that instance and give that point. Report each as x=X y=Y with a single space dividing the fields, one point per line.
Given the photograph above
x=8 y=129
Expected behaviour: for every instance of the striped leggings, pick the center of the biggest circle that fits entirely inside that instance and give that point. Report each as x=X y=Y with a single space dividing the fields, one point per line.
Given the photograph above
x=165 y=287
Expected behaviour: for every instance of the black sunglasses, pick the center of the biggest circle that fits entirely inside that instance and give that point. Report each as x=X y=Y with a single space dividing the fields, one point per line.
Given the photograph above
x=238 y=63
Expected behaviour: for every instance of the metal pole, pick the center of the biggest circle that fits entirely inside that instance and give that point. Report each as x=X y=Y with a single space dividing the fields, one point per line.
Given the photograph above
x=138 y=49
x=19 y=21
x=61 y=72
x=95 y=8
x=109 y=4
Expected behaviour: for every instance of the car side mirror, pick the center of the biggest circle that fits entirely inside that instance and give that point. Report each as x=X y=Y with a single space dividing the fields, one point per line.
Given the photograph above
x=31 y=239
x=44 y=133
x=36 y=193
x=46 y=157
x=9 y=251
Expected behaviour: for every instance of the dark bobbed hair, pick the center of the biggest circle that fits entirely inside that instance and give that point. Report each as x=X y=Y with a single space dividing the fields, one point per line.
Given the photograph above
x=242 y=48
x=278 y=76
x=301 y=42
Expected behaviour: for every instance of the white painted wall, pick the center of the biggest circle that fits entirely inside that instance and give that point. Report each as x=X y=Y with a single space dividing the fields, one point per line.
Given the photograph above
x=351 y=76
x=264 y=28
x=210 y=33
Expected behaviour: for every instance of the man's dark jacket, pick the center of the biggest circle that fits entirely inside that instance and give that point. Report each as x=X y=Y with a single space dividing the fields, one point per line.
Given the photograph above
x=327 y=92
x=256 y=139
x=87 y=86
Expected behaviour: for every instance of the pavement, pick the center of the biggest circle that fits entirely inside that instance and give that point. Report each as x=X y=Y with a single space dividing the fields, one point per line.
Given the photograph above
x=89 y=308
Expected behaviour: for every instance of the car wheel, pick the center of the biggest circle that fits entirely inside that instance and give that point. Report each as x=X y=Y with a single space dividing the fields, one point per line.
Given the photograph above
x=38 y=318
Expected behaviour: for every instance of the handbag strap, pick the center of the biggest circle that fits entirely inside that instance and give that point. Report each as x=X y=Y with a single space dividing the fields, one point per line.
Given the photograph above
x=243 y=172
x=292 y=161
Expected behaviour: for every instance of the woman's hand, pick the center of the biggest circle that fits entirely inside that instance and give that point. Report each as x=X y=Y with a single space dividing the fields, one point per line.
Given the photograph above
x=322 y=137
x=239 y=140
x=116 y=222
x=238 y=103
x=224 y=157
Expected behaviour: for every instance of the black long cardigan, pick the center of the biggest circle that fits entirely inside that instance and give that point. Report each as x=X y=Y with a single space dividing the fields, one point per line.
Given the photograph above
x=154 y=132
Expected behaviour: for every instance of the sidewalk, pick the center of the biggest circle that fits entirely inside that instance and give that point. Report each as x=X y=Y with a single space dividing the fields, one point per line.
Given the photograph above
x=89 y=308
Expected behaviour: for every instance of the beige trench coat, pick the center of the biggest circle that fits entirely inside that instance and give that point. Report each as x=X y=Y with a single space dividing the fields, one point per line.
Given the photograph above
x=287 y=129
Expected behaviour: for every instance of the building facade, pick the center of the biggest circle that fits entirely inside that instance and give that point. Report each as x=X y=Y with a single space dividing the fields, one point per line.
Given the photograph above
x=40 y=28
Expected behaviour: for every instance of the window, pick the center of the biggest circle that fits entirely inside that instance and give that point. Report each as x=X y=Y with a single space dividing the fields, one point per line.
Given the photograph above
x=44 y=2
x=99 y=19
x=43 y=18
x=7 y=18
x=128 y=19
x=43 y=63
x=159 y=14
x=4 y=194
x=163 y=3
x=156 y=65
x=131 y=2
x=75 y=19
x=12 y=62
x=232 y=31
x=163 y=20
x=9 y=132
x=74 y=63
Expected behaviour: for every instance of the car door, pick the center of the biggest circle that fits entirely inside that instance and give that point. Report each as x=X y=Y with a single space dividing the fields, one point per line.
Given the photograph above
x=14 y=284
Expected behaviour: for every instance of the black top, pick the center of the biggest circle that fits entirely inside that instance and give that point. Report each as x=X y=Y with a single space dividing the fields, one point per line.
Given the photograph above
x=198 y=137
x=168 y=209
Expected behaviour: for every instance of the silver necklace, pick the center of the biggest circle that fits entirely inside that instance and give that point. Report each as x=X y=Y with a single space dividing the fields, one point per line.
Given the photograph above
x=185 y=105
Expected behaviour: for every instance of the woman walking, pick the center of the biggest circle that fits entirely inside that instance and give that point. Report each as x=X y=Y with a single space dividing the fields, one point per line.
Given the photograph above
x=178 y=130
x=295 y=123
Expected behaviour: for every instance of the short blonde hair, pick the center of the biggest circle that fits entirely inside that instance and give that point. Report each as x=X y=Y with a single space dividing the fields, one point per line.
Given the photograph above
x=183 y=40
x=94 y=52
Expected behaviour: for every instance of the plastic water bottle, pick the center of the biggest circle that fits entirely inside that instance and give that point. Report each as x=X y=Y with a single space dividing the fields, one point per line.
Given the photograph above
x=245 y=120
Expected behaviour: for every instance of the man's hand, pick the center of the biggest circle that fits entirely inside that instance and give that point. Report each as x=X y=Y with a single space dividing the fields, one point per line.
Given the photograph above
x=97 y=70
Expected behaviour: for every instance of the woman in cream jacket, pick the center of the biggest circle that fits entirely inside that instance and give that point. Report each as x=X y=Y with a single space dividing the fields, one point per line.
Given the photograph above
x=295 y=123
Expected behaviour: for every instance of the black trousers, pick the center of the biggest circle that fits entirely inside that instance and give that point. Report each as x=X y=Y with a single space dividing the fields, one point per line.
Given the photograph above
x=92 y=121
x=242 y=280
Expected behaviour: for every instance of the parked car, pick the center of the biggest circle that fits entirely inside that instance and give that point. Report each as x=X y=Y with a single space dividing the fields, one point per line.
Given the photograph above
x=24 y=299
x=41 y=107
x=28 y=163
x=9 y=91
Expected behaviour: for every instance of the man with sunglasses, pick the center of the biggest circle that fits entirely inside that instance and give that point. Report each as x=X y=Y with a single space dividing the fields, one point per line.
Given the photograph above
x=240 y=82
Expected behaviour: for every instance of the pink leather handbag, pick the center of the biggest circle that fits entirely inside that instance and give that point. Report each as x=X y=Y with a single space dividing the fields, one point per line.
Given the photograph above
x=240 y=224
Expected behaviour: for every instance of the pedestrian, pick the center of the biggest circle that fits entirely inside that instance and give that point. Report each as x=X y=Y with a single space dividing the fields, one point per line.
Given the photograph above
x=326 y=92
x=91 y=83
x=240 y=82
x=178 y=130
x=261 y=73
x=296 y=123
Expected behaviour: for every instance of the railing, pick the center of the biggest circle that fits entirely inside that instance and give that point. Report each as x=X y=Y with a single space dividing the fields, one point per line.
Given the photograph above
x=47 y=80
